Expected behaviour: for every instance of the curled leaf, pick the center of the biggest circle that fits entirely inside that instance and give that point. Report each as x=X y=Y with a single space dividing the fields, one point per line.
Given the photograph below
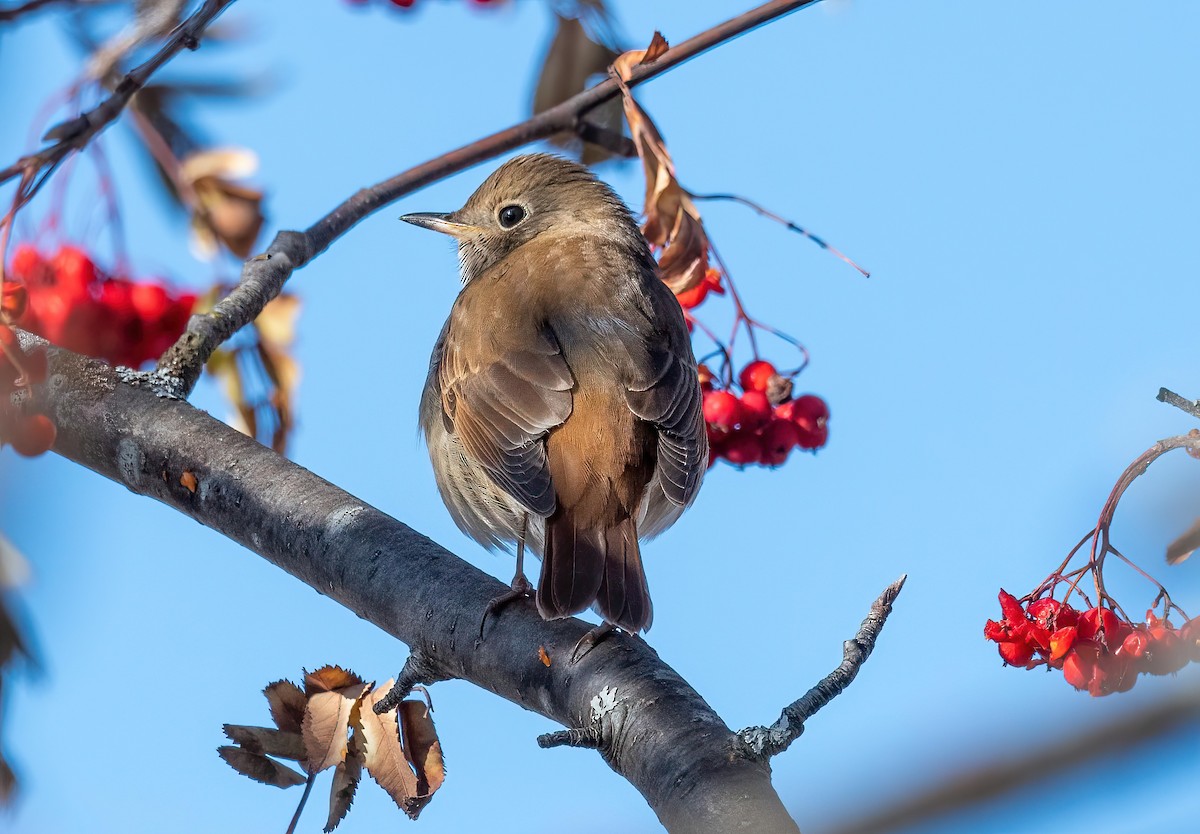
x=223 y=212
x=672 y=221
x=424 y=751
x=383 y=755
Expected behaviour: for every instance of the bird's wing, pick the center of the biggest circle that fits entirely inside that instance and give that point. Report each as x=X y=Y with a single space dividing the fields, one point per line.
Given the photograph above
x=503 y=401
x=665 y=391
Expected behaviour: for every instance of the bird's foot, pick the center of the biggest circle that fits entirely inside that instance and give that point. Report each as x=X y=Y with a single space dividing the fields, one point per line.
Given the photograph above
x=519 y=589
x=588 y=641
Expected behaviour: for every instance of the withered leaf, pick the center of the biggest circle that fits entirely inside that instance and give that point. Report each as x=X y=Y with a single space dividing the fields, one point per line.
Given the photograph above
x=1185 y=545
x=383 y=756
x=332 y=692
x=267 y=741
x=223 y=212
x=287 y=703
x=260 y=768
x=672 y=220
x=346 y=775
x=658 y=45
x=261 y=378
x=424 y=751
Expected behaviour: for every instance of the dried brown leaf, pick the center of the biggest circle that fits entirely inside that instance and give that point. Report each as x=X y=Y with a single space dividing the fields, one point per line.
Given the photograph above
x=332 y=692
x=287 y=703
x=424 y=751
x=222 y=211
x=1185 y=545
x=672 y=221
x=346 y=776
x=658 y=45
x=260 y=768
x=267 y=741
x=383 y=756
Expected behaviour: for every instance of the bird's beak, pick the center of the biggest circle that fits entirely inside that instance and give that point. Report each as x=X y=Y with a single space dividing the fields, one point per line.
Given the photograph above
x=439 y=222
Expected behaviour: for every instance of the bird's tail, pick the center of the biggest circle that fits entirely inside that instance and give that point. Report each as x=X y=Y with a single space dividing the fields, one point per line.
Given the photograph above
x=600 y=566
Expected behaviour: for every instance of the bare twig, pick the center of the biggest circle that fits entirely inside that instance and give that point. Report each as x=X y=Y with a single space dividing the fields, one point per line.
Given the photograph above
x=764 y=742
x=74 y=134
x=308 y=785
x=263 y=277
x=21 y=9
x=783 y=221
x=420 y=668
x=1169 y=397
x=588 y=738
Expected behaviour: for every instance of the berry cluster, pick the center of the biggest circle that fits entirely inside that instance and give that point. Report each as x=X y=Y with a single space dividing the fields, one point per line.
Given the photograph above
x=28 y=433
x=1096 y=650
x=74 y=304
x=765 y=423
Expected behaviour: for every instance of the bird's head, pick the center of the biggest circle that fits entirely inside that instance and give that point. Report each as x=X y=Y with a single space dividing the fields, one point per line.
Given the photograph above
x=528 y=197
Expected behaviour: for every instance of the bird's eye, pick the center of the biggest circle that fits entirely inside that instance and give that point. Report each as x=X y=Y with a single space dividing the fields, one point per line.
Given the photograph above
x=511 y=216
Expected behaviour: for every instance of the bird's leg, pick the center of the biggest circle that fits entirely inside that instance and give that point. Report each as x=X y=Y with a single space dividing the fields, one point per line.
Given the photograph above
x=520 y=587
x=588 y=641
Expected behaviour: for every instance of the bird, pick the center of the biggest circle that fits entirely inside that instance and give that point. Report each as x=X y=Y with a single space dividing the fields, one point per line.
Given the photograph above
x=562 y=408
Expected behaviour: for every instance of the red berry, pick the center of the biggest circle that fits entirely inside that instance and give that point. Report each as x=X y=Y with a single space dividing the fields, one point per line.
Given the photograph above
x=810 y=414
x=756 y=376
x=1166 y=653
x=756 y=410
x=74 y=272
x=33 y=435
x=705 y=376
x=150 y=301
x=742 y=448
x=722 y=410
x=778 y=439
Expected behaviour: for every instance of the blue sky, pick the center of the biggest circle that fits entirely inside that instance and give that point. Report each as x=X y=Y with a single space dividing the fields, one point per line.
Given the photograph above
x=1021 y=181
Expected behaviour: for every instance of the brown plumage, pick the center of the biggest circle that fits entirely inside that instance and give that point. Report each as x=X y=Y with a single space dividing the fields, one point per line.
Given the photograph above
x=562 y=408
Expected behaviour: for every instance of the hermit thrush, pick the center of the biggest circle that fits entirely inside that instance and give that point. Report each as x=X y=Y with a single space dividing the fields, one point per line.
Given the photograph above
x=562 y=408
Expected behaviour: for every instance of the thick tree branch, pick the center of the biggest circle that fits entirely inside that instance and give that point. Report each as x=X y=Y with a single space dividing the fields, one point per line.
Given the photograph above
x=653 y=728
x=263 y=277
x=765 y=742
x=74 y=134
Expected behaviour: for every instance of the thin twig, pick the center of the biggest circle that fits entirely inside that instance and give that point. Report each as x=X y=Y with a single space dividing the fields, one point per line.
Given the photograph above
x=22 y=9
x=308 y=785
x=1169 y=397
x=783 y=221
x=586 y=737
x=420 y=668
x=75 y=134
x=263 y=277
x=766 y=742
